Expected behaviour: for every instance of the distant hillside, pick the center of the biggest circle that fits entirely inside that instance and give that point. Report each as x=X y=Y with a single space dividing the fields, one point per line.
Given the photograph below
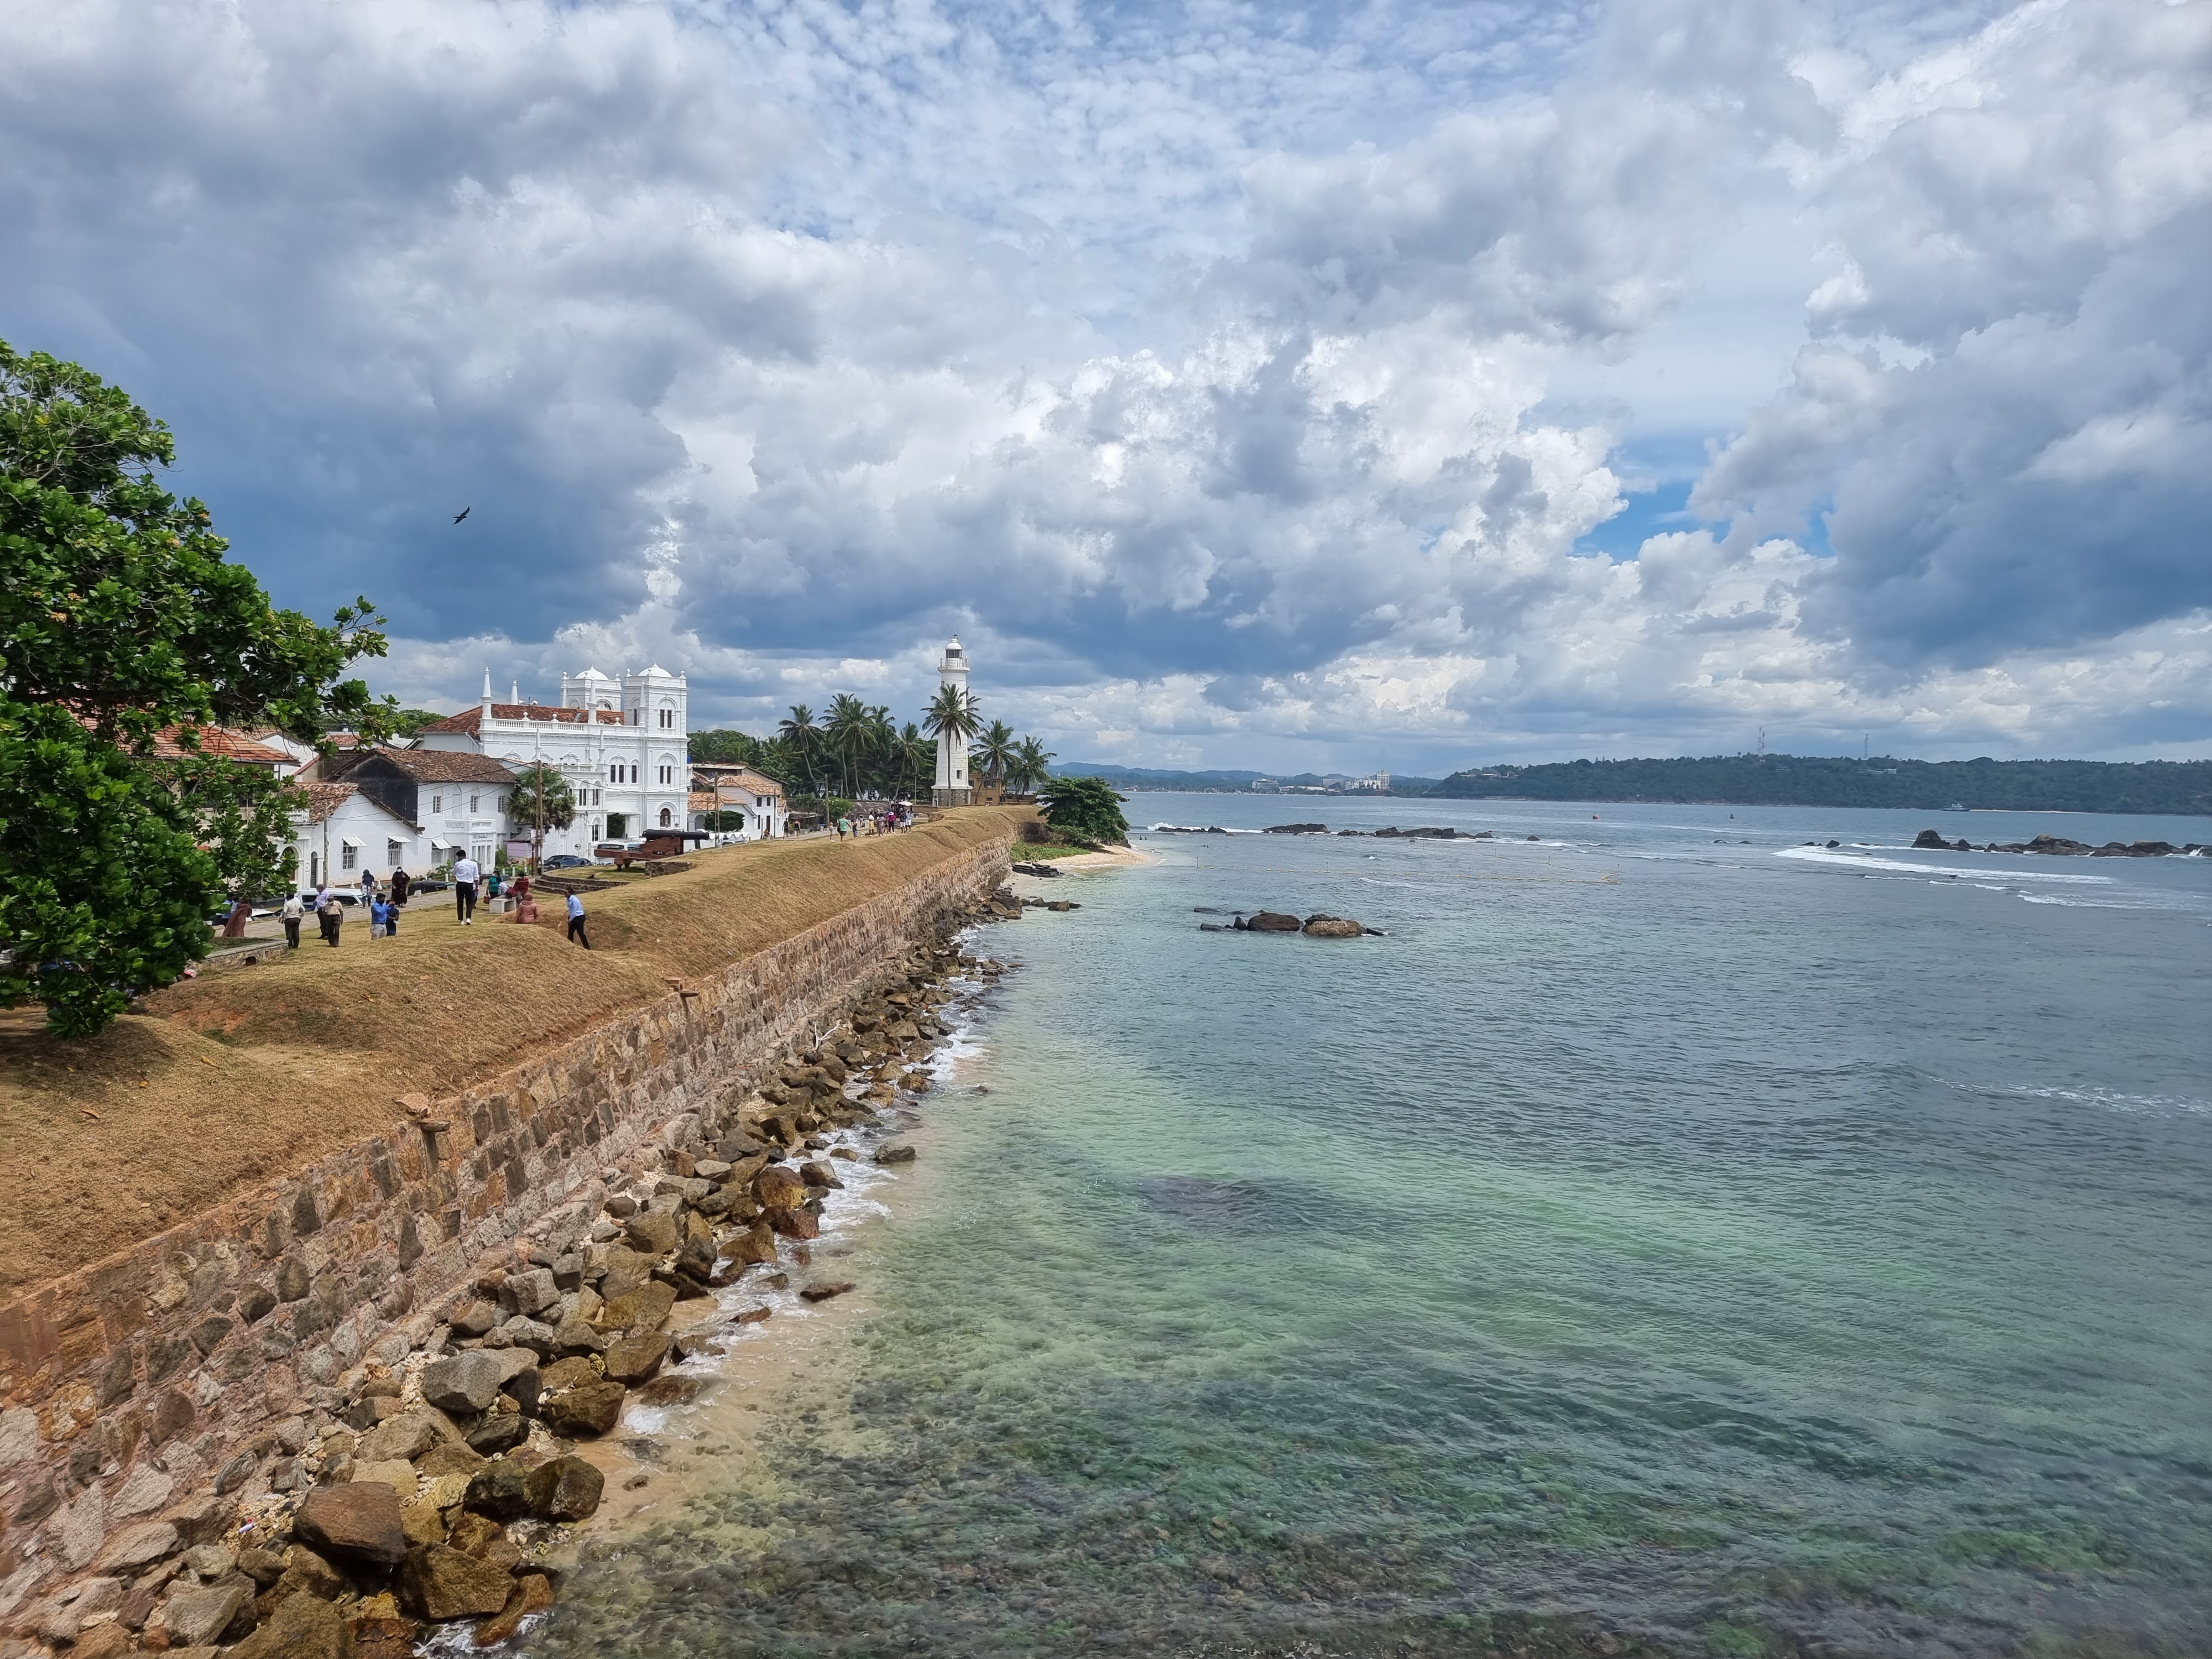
x=1141 y=779
x=2171 y=786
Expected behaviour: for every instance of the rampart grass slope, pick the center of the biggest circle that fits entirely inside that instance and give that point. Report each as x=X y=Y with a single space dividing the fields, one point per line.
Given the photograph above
x=221 y=1083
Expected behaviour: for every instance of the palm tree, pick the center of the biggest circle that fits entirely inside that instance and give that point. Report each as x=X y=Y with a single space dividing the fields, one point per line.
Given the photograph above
x=952 y=712
x=802 y=735
x=915 y=754
x=849 y=734
x=883 y=745
x=1032 y=765
x=994 y=750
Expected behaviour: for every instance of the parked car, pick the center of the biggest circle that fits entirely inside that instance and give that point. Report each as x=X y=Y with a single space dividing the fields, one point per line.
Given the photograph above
x=566 y=861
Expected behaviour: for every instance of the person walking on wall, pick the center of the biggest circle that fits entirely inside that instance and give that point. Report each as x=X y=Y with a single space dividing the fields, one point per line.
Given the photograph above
x=466 y=872
x=576 y=921
x=290 y=915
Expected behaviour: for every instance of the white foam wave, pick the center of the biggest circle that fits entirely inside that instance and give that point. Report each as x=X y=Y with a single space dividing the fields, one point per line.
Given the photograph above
x=2139 y=902
x=2110 y=1100
x=1857 y=862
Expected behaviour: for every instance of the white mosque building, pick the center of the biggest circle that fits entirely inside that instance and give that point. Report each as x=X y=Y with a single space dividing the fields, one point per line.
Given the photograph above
x=952 y=787
x=622 y=746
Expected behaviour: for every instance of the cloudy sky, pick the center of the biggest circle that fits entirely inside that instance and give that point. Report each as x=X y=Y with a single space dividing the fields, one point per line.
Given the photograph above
x=1402 y=384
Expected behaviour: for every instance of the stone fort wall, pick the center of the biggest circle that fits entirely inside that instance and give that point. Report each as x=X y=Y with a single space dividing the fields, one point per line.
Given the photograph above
x=145 y=1389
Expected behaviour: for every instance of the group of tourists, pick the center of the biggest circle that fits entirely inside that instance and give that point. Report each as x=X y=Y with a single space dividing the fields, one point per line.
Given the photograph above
x=384 y=903
x=882 y=821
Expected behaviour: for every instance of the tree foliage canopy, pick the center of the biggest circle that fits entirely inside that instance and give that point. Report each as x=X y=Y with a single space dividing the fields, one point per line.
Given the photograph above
x=1087 y=807
x=121 y=620
x=541 y=796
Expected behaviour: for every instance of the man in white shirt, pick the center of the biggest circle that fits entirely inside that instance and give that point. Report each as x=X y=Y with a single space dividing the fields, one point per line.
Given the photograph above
x=466 y=872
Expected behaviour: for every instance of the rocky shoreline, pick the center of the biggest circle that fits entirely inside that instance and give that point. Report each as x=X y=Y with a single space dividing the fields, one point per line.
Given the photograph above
x=1931 y=841
x=445 y=1488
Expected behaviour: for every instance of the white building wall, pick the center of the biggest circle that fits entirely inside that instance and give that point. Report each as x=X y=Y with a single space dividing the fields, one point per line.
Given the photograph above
x=640 y=769
x=384 y=844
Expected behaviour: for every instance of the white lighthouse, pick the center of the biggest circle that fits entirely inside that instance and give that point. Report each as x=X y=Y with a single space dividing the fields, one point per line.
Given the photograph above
x=952 y=746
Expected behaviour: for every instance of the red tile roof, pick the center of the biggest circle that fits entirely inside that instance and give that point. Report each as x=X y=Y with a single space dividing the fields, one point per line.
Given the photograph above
x=470 y=720
x=216 y=740
x=743 y=777
x=445 y=766
x=325 y=799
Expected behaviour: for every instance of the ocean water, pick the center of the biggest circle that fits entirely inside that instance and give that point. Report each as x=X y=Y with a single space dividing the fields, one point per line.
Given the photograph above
x=1667 y=1237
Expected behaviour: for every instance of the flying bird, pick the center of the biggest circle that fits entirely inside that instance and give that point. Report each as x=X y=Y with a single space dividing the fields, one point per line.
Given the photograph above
x=461 y=515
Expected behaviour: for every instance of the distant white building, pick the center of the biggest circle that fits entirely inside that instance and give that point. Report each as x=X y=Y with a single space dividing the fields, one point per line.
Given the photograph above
x=621 y=745
x=344 y=833
x=401 y=809
x=952 y=787
x=756 y=798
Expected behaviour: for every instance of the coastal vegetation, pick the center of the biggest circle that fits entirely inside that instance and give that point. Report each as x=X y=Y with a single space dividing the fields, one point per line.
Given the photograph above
x=124 y=635
x=2045 y=785
x=1085 y=808
x=857 y=751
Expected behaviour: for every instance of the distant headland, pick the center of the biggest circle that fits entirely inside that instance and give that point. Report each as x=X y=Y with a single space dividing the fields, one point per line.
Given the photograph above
x=2182 y=788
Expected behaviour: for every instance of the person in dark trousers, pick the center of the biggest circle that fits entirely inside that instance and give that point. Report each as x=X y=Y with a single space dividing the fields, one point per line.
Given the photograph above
x=576 y=921
x=330 y=914
x=293 y=913
x=465 y=872
x=401 y=881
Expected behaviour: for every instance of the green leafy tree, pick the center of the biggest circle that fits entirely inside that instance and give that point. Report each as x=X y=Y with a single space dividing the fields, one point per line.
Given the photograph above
x=724 y=748
x=541 y=798
x=1086 y=808
x=121 y=620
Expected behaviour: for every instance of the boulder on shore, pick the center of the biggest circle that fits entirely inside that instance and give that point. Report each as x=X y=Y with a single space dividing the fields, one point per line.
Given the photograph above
x=566 y=1489
x=440 y=1583
x=303 y=1627
x=359 y=1520
x=464 y=1383
x=582 y=1413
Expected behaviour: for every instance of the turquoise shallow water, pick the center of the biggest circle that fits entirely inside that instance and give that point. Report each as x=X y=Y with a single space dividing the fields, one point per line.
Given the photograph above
x=1668 y=1238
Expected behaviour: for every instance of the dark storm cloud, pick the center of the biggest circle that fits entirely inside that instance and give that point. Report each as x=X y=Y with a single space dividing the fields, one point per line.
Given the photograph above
x=1192 y=364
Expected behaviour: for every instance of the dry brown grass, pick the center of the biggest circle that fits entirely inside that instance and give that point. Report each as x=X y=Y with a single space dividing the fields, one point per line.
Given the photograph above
x=224 y=1082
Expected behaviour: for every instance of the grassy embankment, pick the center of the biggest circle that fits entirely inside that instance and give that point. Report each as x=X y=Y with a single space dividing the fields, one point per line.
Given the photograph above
x=219 y=1084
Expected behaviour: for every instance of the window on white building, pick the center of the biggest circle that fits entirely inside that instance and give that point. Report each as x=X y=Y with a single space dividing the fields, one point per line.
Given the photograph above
x=665 y=819
x=595 y=798
x=437 y=803
x=349 y=856
x=475 y=803
x=614 y=774
x=392 y=851
x=667 y=719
